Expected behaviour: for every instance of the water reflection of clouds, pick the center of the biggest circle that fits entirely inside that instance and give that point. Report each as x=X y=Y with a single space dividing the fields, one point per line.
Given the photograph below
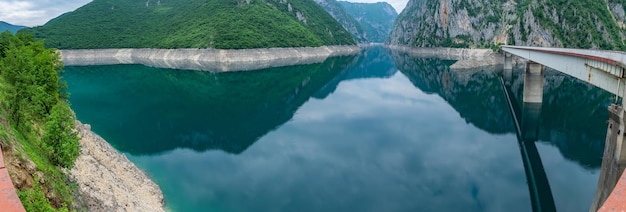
x=567 y=179
x=371 y=146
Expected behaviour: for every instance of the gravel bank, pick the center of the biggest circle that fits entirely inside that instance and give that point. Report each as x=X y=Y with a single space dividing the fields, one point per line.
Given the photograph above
x=108 y=181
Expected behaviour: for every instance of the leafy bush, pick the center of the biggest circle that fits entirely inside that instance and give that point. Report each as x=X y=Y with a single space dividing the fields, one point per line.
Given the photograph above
x=34 y=199
x=60 y=138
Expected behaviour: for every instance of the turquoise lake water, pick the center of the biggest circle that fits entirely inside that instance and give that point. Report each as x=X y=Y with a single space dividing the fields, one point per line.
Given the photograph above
x=380 y=131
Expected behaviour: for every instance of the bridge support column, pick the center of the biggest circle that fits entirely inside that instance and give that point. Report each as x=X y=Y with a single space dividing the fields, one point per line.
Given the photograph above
x=508 y=61
x=533 y=83
x=614 y=157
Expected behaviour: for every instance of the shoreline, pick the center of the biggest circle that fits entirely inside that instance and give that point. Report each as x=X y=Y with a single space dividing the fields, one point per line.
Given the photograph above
x=213 y=60
x=108 y=181
x=466 y=58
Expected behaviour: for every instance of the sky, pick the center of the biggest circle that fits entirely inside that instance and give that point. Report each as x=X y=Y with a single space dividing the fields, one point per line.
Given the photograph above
x=38 y=12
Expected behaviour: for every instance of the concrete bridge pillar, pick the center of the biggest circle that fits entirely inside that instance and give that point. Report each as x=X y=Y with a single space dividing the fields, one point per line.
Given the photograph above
x=508 y=61
x=533 y=83
x=614 y=157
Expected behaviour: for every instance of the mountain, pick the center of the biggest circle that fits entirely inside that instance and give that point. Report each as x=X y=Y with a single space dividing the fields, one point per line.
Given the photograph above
x=594 y=24
x=12 y=28
x=222 y=24
x=346 y=20
x=376 y=18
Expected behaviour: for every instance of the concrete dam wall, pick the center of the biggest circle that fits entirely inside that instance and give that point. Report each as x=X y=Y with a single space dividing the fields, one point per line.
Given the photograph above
x=214 y=60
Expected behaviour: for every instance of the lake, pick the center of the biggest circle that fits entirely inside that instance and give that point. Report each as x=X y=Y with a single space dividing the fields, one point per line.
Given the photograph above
x=380 y=131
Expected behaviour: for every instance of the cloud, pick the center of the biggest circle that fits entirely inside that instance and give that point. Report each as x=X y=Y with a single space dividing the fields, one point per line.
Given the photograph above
x=33 y=13
x=38 y=12
x=396 y=4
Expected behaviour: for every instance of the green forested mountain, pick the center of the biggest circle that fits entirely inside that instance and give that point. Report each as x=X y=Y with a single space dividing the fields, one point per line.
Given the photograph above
x=595 y=24
x=377 y=19
x=12 y=28
x=222 y=24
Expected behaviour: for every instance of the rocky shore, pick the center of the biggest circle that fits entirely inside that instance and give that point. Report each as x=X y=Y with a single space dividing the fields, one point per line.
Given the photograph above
x=215 y=60
x=466 y=58
x=108 y=181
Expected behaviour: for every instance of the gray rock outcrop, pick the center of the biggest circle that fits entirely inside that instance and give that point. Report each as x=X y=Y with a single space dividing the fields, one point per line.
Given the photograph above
x=108 y=181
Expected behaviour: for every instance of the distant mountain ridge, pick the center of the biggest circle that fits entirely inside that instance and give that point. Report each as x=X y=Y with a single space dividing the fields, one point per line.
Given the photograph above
x=377 y=19
x=345 y=19
x=7 y=26
x=221 y=24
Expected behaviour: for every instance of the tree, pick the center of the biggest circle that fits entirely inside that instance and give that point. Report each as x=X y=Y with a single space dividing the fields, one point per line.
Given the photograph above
x=60 y=137
x=32 y=72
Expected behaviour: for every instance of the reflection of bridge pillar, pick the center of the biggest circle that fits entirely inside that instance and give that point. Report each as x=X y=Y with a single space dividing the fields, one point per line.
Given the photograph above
x=533 y=83
x=531 y=117
x=614 y=157
x=507 y=75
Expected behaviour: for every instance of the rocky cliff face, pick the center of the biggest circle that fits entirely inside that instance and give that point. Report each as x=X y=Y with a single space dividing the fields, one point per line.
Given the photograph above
x=346 y=20
x=376 y=18
x=483 y=23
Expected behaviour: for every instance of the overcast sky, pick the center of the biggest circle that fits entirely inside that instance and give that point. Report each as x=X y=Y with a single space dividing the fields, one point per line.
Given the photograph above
x=38 y=12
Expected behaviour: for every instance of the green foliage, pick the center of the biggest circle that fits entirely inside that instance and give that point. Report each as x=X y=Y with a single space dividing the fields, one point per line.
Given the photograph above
x=582 y=24
x=32 y=74
x=59 y=136
x=222 y=24
x=496 y=47
x=33 y=96
x=34 y=199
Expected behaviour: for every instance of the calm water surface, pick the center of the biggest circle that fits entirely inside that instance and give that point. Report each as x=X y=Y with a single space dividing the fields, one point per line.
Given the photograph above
x=375 y=132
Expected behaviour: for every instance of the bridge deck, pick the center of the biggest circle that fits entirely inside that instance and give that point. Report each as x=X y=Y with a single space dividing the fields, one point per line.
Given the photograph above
x=604 y=69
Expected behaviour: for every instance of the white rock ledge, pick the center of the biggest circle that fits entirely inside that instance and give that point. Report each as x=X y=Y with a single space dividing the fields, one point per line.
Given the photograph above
x=466 y=58
x=214 y=60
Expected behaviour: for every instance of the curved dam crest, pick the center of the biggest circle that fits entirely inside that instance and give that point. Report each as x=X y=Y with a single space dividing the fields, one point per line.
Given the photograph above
x=214 y=60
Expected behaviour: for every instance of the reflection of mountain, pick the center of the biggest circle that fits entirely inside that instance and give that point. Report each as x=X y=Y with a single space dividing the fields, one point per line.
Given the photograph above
x=372 y=62
x=572 y=116
x=191 y=109
x=477 y=96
